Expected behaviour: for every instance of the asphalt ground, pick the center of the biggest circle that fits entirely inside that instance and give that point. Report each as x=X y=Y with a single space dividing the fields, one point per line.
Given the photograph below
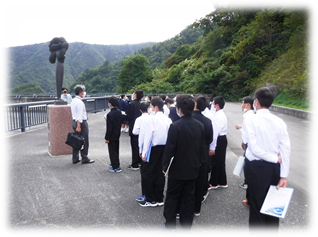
x=45 y=193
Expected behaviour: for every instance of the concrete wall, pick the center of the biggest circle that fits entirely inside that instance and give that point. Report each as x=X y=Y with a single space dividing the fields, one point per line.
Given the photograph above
x=293 y=112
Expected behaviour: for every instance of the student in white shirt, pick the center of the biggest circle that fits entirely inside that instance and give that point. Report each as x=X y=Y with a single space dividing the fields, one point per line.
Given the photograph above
x=142 y=124
x=247 y=108
x=267 y=156
x=153 y=179
x=218 y=177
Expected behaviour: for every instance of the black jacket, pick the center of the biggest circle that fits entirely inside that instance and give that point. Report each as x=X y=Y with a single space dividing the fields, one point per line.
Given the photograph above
x=186 y=143
x=173 y=114
x=208 y=129
x=113 y=124
x=133 y=113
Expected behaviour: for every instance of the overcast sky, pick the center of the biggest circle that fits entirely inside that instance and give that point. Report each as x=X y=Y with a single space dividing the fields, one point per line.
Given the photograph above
x=106 y=22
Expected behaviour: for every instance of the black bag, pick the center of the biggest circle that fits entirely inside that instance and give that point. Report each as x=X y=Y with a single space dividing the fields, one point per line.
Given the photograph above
x=75 y=140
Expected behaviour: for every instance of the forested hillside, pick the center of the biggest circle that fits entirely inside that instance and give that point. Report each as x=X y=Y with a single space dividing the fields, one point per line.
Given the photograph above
x=30 y=64
x=229 y=52
x=107 y=77
x=240 y=51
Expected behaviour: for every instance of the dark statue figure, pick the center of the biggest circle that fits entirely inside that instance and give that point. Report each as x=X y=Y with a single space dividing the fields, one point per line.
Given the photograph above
x=58 y=47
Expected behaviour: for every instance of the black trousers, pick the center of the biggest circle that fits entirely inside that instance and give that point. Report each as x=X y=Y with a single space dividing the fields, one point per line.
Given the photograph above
x=218 y=172
x=84 y=133
x=260 y=175
x=153 y=180
x=179 y=190
x=201 y=188
x=135 y=151
x=113 y=151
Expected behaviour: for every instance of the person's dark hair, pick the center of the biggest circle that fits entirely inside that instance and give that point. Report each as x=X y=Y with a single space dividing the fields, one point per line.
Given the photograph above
x=265 y=97
x=219 y=100
x=163 y=97
x=139 y=94
x=202 y=102
x=144 y=106
x=78 y=89
x=149 y=97
x=157 y=101
x=248 y=100
x=169 y=100
x=64 y=88
x=113 y=101
x=122 y=96
x=186 y=104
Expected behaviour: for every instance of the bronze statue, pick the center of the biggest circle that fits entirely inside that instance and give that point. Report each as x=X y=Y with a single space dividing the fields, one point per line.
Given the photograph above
x=58 y=47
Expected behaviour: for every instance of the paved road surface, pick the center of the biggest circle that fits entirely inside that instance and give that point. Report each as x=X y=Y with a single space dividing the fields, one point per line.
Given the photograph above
x=51 y=193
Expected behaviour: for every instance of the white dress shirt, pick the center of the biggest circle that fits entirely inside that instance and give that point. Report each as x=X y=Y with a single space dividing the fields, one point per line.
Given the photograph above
x=207 y=113
x=142 y=124
x=219 y=128
x=166 y=110
x=267 y=136
x=245 y=115
x=157 y=133
x=78 y=109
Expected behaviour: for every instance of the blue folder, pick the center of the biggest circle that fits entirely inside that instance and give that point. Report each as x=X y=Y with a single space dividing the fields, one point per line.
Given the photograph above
x=148 y=153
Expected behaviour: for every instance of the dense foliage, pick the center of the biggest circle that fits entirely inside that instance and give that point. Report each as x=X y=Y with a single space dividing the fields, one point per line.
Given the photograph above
x=229 y=52
x=239 y=52
x=28 y=88
x=31 y=63
x=236 y=49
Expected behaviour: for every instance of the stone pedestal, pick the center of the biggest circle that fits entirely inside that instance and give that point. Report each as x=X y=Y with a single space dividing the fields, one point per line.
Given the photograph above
x=59 y=125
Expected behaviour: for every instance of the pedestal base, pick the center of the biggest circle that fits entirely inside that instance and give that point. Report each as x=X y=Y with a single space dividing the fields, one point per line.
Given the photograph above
x=59 y=125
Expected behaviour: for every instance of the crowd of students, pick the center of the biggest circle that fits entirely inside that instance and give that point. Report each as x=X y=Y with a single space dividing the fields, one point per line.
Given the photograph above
x=181 y=143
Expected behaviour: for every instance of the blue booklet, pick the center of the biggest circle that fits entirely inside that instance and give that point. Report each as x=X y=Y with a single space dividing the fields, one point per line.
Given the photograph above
x=277 y=201
x=149 y=151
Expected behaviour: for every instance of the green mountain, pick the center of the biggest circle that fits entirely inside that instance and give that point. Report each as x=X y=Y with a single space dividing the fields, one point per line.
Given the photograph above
x=110 y=77
x=240 y=50
x=30 y=64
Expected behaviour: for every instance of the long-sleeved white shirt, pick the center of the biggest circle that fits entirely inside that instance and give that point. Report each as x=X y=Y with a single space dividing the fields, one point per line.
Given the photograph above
x=267 y=136
x=141 y=125
x=166 y=110
x=78 y=109
x=245 y=115
x=207 y=113
x=157 y=133
x=219 y=128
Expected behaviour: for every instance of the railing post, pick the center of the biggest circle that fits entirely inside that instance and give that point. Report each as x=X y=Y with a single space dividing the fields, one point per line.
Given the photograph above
x=22 y=119
x=95 y=106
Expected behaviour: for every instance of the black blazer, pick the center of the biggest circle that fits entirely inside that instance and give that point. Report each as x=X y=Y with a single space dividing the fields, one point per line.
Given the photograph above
x=113 y=124
x=186 y=143
x=173 y=114
x=208 y=129
x=133 y=113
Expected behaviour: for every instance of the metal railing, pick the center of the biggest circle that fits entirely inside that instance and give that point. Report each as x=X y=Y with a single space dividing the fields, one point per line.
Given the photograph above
x=24 y=115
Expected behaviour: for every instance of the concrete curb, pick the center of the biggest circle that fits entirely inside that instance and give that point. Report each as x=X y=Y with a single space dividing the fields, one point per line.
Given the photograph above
x=293 y=112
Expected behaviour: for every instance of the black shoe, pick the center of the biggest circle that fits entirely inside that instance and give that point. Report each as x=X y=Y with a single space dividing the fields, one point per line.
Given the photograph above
x=88 y=162
x=75 y=162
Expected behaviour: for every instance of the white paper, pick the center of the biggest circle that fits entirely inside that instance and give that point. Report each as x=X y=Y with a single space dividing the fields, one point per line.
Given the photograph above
x=277 y=201
x=166 y=174
x=239 y=166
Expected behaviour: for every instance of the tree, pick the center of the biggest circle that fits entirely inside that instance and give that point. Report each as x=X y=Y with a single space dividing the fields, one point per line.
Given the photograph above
x=135 y=71
x=28 y=88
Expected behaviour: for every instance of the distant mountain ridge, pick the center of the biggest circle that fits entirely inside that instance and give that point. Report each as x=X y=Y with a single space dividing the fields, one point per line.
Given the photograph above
x=30 y=63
